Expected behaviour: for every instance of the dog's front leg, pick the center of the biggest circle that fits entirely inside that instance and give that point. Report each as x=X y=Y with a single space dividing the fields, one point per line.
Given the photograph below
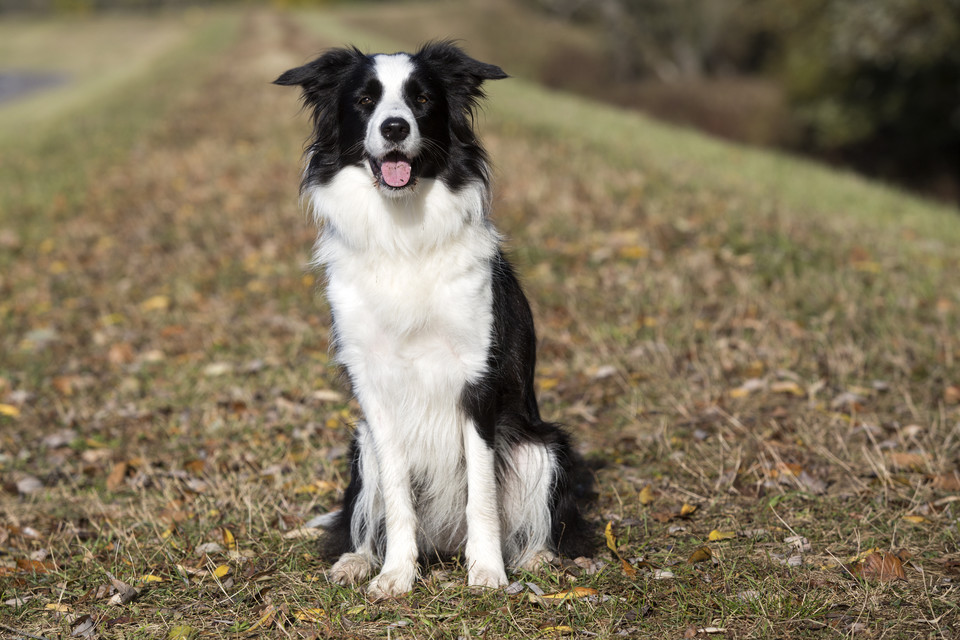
x=400 y=560
x=484 y=549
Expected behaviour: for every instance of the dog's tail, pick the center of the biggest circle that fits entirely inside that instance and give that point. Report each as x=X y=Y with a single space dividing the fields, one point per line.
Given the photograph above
x=323 y=521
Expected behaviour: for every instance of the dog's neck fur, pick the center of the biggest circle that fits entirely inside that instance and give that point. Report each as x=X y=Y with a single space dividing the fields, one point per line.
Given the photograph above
x=357 y=218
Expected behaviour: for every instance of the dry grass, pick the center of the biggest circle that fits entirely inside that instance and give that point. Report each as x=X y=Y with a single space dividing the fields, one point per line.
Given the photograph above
x=721 y=330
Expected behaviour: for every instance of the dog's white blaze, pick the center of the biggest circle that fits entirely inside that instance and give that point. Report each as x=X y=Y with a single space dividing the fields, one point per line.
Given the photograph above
x=392 y=72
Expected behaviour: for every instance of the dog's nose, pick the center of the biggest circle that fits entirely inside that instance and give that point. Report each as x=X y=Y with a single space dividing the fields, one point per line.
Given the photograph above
x=395 y=129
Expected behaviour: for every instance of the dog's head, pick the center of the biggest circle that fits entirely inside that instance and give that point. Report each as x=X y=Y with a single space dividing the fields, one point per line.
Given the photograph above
x=403 y=116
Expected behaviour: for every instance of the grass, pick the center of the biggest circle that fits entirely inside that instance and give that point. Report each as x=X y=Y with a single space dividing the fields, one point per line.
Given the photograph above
x=743 y=344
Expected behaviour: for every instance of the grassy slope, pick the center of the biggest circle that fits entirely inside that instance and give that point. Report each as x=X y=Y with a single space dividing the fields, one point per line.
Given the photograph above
x=720 y=327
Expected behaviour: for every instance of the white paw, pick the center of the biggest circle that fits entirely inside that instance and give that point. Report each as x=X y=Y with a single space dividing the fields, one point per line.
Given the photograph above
x=490 y=577
x=390 y=584
x=542 y=557
x=351 y=568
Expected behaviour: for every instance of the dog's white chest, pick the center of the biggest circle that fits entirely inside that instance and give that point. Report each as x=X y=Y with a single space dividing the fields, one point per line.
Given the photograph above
x=423 y=321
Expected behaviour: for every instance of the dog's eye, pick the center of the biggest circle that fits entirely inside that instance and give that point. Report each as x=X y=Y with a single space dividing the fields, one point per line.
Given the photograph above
x=422 y=99
x=365 y=101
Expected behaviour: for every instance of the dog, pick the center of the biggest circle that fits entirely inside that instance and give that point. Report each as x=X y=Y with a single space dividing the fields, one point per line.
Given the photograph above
x=432 y=328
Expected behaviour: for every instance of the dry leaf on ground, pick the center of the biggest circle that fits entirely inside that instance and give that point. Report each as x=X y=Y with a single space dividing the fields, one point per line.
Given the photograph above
x=879 y=566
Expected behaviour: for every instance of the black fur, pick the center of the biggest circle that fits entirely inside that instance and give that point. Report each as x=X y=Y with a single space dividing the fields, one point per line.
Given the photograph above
x=333 y=84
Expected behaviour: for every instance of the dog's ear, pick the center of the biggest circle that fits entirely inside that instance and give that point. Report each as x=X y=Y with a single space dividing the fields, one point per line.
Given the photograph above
x=458 y=70
x=322 y=78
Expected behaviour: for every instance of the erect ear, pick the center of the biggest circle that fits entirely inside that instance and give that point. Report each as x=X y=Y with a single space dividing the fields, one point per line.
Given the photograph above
x=457 y=69
x=323 y=75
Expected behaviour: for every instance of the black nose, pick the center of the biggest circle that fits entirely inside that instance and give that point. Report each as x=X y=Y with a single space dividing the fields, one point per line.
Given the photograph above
x=395 y=129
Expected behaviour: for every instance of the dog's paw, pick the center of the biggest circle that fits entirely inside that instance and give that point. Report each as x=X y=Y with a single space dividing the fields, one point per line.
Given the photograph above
x=350 y=569
x=489 y=577
x=538 y=559
x=390 y=584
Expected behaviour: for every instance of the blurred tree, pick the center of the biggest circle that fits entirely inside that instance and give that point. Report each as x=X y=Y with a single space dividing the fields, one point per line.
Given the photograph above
x=671 y=39
x=877 y=83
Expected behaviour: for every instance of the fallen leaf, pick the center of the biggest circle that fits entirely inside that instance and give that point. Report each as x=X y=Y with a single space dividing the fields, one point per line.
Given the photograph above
x=28 y=484
x=557 y=630
x=788 y=386
x=646 y=495
x=217 y=369
x=879 y=566
x=748 y=387
x=84 y=626
x=908 y=461
x=182 y=632
x=117 y=476
x=951 y=395
x=612 y=545
x=916 y=519
x=228 y=540
x=125 y=593
x=665 y=516
x=687 y=509
x=310 y=615
x=702 y=554
x=265 y=620
x=120 y=353
x=25 y=565
x=221 y=570
x=716 y=535
x=947 y=481
x=208 y=549
x=156 y=303
x=9 y=410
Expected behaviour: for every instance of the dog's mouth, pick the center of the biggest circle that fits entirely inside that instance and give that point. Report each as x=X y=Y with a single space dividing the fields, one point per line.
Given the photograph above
x=393 y=170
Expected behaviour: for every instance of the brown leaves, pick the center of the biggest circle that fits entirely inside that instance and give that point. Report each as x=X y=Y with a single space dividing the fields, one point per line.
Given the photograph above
x=908 y=461
x=117 y=475
x=701 y=554
x=946 y=481
x=125 y=593
x=951 y=395
x=878 y=566
x=685 y=511
x=628 y=569
x=27 y=566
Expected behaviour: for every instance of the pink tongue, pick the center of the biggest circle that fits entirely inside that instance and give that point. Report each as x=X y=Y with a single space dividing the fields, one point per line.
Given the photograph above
x=396 y=173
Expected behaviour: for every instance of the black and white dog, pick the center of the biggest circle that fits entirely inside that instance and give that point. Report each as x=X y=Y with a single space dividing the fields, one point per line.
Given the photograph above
x=432 y=327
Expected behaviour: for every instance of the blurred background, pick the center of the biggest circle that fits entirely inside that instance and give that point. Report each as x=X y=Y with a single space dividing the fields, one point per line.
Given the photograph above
x=873 y=86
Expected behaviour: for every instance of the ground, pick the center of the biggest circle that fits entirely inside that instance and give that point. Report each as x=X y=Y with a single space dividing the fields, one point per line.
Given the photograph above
x=757 y=356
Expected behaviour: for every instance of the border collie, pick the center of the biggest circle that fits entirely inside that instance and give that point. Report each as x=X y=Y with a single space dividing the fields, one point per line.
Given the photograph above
x=432 y=329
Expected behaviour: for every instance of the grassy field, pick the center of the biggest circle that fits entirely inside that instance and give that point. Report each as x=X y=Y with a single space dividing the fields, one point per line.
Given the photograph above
x=758 y=356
